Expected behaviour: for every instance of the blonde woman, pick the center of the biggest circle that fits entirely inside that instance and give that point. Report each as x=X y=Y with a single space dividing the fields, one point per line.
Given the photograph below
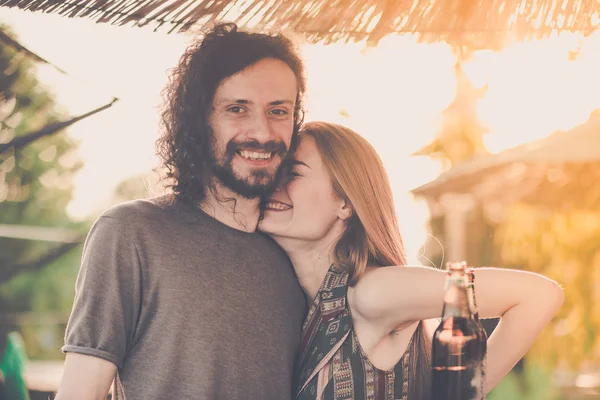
x=363 y=337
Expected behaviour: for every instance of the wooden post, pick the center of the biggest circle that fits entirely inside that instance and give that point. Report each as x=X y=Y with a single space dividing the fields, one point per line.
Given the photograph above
x=456 y=208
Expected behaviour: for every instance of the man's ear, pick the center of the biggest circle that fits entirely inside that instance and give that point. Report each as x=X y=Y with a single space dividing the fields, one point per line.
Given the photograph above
x=345 y=211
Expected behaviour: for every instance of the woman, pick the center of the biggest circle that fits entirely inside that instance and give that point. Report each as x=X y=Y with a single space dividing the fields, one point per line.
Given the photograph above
x=363 y=338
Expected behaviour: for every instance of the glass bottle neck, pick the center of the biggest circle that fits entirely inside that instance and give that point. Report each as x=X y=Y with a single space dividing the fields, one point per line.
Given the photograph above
x=471 y=294
x=456 y=299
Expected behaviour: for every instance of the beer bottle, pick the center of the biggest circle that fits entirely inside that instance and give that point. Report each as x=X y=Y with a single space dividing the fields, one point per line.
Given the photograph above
x=457 y=351
x=483 y=334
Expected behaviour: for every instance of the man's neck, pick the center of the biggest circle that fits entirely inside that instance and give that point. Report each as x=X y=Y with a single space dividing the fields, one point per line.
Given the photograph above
x=232 y=209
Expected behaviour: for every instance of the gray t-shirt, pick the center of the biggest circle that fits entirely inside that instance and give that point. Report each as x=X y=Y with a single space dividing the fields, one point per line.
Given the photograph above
x=185 y=306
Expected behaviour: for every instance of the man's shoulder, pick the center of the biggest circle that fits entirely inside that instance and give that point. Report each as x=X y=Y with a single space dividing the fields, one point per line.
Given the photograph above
x=269 y=243
x=139 y=210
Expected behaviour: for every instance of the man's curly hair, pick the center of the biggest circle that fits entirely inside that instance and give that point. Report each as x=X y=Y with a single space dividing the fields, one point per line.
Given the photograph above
x=185 y=145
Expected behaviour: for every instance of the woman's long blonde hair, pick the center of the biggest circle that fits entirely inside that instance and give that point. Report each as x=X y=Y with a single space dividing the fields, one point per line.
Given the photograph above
x=372 y=235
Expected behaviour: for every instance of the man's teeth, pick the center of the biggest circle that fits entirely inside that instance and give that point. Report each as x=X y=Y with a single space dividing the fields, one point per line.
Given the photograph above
x=277 y=206
x=254 y=155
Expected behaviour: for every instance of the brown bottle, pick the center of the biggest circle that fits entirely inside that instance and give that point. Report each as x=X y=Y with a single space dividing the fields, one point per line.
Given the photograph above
x=457 y=357
x=475 y=313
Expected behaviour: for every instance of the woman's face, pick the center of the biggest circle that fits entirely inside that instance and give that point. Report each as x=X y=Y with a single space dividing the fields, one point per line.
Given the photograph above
x=305 y=206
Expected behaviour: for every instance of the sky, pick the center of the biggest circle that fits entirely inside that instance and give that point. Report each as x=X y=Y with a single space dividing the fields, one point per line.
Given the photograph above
x=392 y=95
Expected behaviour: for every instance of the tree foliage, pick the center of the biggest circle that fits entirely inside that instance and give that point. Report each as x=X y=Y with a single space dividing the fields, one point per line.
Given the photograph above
x=565 y=246
x=35 y=183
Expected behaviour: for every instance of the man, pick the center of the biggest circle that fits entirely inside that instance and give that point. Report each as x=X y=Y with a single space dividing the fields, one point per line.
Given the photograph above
x=177 y=296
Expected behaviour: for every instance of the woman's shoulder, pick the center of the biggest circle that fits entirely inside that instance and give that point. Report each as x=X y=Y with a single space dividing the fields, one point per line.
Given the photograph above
x=365 y=297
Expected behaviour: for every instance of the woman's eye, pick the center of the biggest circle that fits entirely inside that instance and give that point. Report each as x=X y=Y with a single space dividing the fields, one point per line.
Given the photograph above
x=279 y=112
x=289 y=177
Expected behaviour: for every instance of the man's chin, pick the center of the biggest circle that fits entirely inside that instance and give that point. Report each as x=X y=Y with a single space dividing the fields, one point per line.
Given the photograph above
x=253 y=190
x=257 y=184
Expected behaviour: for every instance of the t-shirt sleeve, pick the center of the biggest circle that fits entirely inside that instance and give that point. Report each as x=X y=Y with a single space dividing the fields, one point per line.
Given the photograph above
x=107 y=294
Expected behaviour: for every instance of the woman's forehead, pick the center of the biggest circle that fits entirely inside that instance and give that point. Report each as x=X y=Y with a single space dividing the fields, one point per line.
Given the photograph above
x=307 y=152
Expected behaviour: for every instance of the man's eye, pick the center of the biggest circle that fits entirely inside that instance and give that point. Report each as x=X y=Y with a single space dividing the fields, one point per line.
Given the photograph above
x=280 y=112
x=236 y=109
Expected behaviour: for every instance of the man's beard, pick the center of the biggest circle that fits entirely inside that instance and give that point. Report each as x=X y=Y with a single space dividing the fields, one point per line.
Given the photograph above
x=260 y=182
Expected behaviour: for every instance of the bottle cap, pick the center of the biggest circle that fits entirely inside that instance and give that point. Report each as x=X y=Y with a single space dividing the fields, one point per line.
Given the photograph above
x=456 y=266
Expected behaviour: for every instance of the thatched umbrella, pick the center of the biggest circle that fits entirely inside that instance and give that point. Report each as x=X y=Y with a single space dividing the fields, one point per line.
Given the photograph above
x=466 y=25
x=345 y=20
x=557 y=174
x=561 y=171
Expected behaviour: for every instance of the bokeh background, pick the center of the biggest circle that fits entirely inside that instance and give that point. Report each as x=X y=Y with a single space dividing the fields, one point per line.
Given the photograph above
x=489 y=127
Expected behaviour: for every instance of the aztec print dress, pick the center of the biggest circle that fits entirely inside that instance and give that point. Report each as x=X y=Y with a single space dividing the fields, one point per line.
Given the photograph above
x=332 y=365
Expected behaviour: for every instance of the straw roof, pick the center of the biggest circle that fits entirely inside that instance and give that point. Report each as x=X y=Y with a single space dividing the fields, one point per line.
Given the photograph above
x=343 y=20
x=562 y=170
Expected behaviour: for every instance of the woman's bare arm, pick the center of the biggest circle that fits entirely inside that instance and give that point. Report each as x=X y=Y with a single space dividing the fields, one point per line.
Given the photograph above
x=392 y=297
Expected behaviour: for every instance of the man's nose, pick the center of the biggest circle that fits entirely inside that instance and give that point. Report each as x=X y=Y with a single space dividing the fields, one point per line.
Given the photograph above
x=259 y=128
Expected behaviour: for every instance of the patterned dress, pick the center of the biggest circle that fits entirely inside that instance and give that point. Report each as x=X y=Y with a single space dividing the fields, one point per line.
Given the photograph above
x=332 y=365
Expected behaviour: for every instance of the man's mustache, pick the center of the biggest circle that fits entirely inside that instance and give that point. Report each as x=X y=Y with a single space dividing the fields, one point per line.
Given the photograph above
x=276 y=147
